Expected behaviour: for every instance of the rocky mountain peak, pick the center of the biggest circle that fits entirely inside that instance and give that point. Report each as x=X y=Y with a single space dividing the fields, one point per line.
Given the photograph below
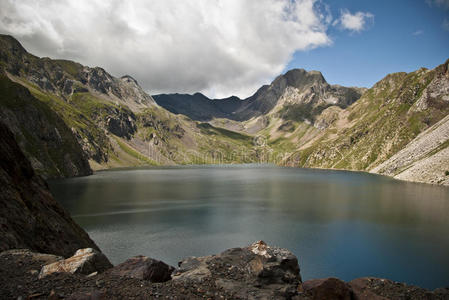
x=129 y=79
x=299 y=78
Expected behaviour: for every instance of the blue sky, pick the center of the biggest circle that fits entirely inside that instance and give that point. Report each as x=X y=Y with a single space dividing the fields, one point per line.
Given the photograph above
x=404 y=36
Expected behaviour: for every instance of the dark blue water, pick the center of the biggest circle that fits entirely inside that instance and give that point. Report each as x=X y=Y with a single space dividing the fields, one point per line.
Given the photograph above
x=342 y=224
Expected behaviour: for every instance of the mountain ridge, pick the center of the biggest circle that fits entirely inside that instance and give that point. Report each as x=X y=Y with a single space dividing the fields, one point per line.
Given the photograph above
x=201 y=108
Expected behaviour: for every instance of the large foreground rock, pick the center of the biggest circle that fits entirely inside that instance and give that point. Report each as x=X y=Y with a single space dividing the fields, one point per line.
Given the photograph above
x=256 y=271
x=85 y=261
x=29 y=215
x=145 y=268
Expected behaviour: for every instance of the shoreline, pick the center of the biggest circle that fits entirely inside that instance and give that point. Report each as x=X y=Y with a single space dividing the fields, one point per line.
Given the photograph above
x=257 y=164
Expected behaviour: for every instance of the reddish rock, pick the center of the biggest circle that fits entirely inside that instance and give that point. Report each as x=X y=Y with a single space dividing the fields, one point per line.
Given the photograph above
x=327 y=288
x=145 y=268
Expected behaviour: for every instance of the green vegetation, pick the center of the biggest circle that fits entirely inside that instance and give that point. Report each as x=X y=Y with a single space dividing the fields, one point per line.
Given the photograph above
x=72 y=68
x=208 y=129
x=43 y=134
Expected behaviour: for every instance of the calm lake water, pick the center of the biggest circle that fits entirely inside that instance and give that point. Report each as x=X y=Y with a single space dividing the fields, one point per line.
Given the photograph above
x=342 y=224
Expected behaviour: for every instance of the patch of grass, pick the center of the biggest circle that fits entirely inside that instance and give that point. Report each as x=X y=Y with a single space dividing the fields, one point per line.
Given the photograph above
x=69 y=66
x=208 y=129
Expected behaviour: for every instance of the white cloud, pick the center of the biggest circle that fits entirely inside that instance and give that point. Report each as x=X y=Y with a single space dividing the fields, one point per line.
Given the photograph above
x=219 y=47
x=354 y=22
x=418 y=32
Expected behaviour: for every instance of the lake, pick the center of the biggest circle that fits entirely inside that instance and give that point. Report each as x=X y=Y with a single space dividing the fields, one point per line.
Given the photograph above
x=342 y=224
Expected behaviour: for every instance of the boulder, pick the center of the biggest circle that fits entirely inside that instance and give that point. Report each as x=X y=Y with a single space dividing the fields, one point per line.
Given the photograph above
x=85 y=261
x=145 y=268
x=257 y=270
x=327 y=288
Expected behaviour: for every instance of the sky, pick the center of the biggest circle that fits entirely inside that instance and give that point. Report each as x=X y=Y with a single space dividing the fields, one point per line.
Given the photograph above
x=232 y=47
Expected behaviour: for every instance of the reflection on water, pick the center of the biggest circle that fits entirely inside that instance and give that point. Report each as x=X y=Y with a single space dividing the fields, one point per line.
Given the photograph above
x=343 y=224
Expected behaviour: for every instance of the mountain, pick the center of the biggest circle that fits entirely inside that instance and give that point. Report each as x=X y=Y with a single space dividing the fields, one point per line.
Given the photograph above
x=301 y=94
x=398 y=128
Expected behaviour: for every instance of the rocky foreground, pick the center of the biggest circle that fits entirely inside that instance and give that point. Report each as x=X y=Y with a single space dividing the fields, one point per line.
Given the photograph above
x=254 y=272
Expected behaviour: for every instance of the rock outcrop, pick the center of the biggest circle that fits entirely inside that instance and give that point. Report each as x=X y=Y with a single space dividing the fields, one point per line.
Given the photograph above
x=29 y=215
x=258 y=270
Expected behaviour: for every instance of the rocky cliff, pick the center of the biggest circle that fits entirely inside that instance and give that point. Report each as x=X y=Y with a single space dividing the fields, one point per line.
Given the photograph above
x=29 y=215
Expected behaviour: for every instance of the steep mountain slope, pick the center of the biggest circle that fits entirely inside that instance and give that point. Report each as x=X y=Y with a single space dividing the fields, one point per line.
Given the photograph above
x=384 y=121
x=114 y=120
x=298 y=94
x=424 y=159
x=29 y=216
x=48 y=143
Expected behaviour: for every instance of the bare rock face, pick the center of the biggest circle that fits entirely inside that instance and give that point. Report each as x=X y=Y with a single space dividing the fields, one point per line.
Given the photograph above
x=258 y=270
x=29 y=216
x=145 y=268
x=85 y=261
